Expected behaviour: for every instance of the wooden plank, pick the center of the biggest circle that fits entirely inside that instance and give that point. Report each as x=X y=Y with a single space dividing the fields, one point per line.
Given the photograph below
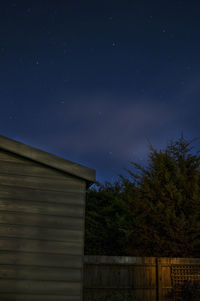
x=41 y=208
x=39 y=273
x=142 y=277
x=40 y=287
x=35 y=297
x=42 y=220
x=158 y=280
x=124 y=260
x=37 y=155
x=31 y=168
x=41 y=183
x=41 y=246
x=76 y=197
x=40 y=259
x=11 y=157
x=17 y=231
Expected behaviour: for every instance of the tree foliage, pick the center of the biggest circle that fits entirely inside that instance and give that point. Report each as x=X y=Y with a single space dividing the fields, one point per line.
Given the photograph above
x=106 y=220
x=155 y=211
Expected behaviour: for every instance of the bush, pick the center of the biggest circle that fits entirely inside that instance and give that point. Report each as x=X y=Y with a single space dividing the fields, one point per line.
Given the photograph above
x=190 y=290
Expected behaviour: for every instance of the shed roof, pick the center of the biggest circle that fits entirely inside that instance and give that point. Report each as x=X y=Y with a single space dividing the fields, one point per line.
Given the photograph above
x=47 y=159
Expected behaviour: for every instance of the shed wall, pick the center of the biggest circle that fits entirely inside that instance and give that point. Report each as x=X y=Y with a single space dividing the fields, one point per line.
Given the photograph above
x=41 y=231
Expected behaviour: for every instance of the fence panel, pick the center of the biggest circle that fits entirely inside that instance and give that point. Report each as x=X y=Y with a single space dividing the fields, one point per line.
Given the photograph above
x=174 y=274
x=106 y=275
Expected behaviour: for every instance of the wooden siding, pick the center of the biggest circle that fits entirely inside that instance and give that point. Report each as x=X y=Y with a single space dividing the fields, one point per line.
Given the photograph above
x=28 y=297
x=41 y=231
x=40 y=259
x=44 y=220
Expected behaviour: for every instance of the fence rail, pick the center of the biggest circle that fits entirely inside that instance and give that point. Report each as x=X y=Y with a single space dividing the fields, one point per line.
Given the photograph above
x=146 y=278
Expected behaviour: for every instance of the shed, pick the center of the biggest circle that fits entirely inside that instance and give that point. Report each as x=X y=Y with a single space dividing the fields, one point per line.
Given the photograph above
x=42 y=206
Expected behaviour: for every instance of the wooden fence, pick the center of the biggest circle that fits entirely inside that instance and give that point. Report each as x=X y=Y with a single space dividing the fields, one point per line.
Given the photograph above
x=146 y=278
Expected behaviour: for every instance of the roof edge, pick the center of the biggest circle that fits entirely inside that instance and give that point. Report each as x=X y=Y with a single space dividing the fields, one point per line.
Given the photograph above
x=48 y=159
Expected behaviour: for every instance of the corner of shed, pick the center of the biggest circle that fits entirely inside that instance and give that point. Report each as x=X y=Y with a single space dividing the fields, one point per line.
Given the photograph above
x=40 y=156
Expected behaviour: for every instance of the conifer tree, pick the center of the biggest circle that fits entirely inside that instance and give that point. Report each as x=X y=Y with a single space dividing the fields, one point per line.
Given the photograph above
x=169 y=196
x=153 y=212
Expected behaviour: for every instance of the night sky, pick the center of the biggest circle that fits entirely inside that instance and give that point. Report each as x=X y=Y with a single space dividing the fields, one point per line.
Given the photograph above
x=96 y=81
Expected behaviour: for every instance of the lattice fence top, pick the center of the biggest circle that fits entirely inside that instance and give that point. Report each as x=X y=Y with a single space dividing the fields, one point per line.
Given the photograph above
x=182 y=273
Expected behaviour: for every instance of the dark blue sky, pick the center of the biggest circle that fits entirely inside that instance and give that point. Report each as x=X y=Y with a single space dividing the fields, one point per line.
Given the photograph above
x=94 y=81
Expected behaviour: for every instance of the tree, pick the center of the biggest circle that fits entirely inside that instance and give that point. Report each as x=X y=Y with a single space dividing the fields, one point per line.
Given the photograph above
x=153 y=212
x=107 y=217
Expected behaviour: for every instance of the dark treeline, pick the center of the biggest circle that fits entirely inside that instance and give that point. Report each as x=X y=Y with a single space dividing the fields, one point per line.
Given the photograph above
x=153 y=212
